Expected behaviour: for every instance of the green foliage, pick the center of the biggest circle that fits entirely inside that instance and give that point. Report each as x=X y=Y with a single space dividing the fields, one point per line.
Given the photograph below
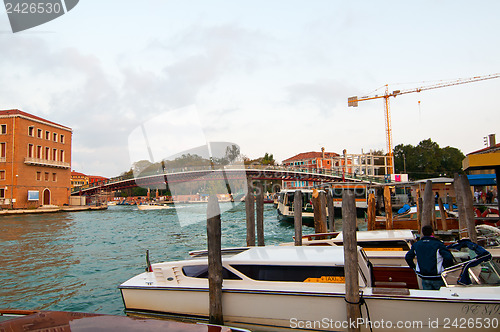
x=427 y=160
x=268 y=159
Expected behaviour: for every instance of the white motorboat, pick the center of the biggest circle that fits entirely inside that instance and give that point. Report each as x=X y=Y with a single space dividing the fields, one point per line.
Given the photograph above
x=283 y=287
x=153 y=207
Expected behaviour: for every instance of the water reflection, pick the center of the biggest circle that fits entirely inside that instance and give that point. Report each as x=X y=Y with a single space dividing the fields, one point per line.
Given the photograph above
x=75 y=261
x=33 y=247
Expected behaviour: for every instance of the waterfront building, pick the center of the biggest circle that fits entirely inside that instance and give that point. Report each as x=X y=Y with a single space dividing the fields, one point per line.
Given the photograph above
x=312 y=161
x=96 y=179
x=35 y=161
x=78 y=179
x=345 y=165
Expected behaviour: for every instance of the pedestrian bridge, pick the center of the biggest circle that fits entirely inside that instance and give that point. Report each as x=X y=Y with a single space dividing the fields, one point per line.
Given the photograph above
x=226 y=173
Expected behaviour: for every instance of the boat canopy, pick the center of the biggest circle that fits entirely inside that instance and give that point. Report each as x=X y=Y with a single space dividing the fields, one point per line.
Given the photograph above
x=328 y=255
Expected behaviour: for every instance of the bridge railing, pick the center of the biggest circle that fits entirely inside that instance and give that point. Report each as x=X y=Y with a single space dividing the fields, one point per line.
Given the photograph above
x=295 y=169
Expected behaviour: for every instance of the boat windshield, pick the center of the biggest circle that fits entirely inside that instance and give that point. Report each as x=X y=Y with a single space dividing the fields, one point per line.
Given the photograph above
x=486 y=273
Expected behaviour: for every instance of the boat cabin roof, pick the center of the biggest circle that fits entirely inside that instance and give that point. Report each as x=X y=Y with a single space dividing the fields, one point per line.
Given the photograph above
x=382 y=235
x=278 y=255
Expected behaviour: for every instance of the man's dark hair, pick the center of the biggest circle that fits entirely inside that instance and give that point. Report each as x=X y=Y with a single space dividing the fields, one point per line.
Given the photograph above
x=427 y=230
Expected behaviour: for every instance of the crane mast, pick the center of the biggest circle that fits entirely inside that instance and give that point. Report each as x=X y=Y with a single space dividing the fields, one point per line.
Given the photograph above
x=353 y=102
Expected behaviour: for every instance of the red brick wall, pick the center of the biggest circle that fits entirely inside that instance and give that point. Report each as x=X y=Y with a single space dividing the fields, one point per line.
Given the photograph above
x=21 y=177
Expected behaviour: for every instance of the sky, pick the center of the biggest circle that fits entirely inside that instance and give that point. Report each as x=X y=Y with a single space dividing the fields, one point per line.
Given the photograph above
x=269 y=76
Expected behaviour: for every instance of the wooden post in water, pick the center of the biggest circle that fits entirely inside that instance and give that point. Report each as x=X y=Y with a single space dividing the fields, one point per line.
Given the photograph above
x=250 y=212
x=469 y=208
x=444 y=226
x=371 y=212
x=420 y=205
x=319 y=207
x=331 y=211
x=428 y=205
x=214 y=261
x=350 y=258
x=297 y=216
x=260 y=214
x=449 y=201
x=388 y=208
x=457 y=184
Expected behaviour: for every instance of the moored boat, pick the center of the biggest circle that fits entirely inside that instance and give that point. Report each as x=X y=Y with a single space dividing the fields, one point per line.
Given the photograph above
x=282 y=287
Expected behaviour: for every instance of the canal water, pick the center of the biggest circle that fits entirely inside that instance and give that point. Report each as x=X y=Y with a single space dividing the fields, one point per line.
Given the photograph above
x=75 y=261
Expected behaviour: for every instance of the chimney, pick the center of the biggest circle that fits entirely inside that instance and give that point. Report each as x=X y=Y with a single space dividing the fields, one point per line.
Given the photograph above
x=323 y=152
x=492 y=139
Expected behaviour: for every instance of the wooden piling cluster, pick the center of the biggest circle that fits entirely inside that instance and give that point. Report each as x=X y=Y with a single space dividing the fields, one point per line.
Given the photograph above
x=215 y=279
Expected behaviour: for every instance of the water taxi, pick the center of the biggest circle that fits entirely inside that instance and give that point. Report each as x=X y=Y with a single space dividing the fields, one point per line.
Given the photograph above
x=283 y=287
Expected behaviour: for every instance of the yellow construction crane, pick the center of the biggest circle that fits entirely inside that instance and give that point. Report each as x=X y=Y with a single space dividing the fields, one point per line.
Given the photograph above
x=353 y=101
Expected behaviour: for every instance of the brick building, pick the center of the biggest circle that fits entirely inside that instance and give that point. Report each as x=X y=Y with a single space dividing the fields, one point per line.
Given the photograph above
x=308 y=160
x=35 y=161
x=78 y=179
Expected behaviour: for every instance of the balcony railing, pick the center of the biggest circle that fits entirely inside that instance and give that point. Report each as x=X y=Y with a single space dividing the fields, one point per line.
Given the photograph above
x=45 y=162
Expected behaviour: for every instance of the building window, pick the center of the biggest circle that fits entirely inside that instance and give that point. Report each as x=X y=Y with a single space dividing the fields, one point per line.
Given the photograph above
x=47 y=135
x=39 y=133
x=54 y=177
x=3 y=150
x=3 y=129
x=2 y=174
x=55 y=137
x=31 y=131
x=54 y=154
x=31 y=148
x=2 y=193
x=39 y=151
x=61 y=156
x=46 y=176
x=39 y=176
x=62 y=139
x=47 y=153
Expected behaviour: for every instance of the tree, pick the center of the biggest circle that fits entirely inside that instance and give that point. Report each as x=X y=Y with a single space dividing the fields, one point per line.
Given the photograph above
x=427 y=159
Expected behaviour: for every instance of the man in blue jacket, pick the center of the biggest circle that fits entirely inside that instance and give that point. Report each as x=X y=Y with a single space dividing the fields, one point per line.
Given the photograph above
x=432 y=258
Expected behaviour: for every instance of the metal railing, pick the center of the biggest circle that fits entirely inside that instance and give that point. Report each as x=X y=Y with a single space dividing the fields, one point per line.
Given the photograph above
x=207 y=168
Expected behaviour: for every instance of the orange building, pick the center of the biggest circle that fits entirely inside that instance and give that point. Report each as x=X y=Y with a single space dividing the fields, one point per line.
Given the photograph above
x=35 y=161
x=78 y=179
x=309 y=160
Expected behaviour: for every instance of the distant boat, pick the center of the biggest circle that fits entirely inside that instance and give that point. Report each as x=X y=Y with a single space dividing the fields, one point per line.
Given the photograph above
x=153 y=207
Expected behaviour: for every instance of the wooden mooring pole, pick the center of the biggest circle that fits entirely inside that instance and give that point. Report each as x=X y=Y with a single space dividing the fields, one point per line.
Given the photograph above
x=331 y=211
x=469 y=208
x=388 y=208
x=214 y=261
x=297 y=216
x=457 y=185
x=419 y=210
x=444 y=226
x=428 y=208
x=350 y=258
x=260 y=214
x=371 y=212
x=250 y=214
x=319 y=207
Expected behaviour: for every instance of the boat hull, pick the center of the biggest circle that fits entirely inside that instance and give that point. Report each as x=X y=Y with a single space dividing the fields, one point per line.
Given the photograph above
x=267 y=310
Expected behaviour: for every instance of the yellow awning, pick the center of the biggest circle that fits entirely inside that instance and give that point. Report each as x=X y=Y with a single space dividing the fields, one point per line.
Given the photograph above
x=481 y=161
